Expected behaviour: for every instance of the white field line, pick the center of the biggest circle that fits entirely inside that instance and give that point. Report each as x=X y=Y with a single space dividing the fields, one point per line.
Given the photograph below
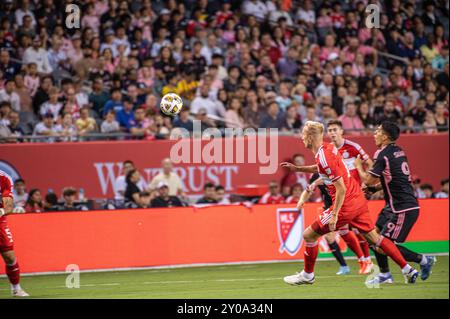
x=167 y=268
x=177 y=282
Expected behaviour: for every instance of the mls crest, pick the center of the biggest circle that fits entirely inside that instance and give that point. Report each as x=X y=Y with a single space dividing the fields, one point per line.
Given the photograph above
x=290 y=224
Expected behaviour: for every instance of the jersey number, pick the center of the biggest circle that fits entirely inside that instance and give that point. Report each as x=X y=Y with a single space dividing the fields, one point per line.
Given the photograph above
x=406 y=171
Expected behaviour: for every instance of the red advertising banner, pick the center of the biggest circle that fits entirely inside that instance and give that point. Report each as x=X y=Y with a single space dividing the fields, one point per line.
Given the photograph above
x=231 y=162
x=172 y=236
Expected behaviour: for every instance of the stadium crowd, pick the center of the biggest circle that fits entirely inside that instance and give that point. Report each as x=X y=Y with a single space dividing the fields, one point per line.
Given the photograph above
x=239 y=64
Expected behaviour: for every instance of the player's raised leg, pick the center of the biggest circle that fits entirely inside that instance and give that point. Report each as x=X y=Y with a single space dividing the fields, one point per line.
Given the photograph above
x=392 y=251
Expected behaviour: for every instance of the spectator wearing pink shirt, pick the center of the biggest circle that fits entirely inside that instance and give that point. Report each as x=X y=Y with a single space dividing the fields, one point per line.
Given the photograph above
x=358 y=67
x=329 y=48
x=234 y=115
x=32 y=80
x=90 y=19
x=75 y=52
x=351 y=121
x=354 y=48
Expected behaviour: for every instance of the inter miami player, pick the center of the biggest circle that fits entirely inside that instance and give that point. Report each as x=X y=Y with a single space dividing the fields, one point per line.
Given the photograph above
x=402 y=208
x=327 y=202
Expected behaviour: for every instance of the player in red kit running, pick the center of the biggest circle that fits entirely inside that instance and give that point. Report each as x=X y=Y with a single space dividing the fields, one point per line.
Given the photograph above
x=354 y=240
x=350 y=151
x=6 y=239
x=349 y=208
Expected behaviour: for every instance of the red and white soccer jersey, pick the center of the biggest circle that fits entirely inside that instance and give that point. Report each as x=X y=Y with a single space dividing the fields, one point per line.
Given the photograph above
x=349 y=152
x=6 y=190
x=354 y=210
x=267 y=198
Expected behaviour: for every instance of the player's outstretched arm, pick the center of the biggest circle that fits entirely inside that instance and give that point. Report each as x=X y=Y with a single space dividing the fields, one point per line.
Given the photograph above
x=303 y=199
x=303 y=169
x=368 y=179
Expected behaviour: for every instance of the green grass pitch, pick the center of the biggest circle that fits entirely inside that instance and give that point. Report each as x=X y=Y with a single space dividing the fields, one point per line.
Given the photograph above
x=237 y=281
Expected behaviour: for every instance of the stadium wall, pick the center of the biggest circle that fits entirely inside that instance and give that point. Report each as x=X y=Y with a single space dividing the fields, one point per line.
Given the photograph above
x=49 y=242
x=94 y=166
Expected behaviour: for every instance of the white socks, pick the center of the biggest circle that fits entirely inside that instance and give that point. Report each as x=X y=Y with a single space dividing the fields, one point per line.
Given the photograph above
x=424 y=260
x=308 y=275
x=16 y=287
x=406 y=269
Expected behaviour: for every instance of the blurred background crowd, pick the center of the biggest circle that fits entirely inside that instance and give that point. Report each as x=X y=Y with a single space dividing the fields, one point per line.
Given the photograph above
x=238 y=64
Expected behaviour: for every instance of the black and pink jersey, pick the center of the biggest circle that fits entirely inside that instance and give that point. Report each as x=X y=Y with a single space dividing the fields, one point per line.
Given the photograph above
x=391 y=166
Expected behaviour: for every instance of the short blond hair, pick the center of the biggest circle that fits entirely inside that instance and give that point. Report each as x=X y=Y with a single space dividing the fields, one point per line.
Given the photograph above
x=314 y=128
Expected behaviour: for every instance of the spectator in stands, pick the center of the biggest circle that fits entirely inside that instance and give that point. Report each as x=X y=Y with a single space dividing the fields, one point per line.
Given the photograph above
x=220 y=195
x=20 y=193
x=51 y=202
x=170 y=177
x=120 y=184
x=273 y=196
x=441 y=117
x=145 y=199
x=443 y=193
x=110 y=125
x=234 y=114
x=427 y=190
x=126 y=115
x=8 y=67
x=52 y=106
x=164 y=199
x=99 y=96
x=183 y=120
x=273 y=119
x=253 y=41
x=205 y=101
x=132 y=191
x=46 y=128
x=85 y=124
x=37 y=54
x=351 y=123
x=115 y=103
x=34 y=202
x=209 y=194
x=296 y=192
x=8 y=94
x=69 y=196
x=292 y=178
x=66 y=129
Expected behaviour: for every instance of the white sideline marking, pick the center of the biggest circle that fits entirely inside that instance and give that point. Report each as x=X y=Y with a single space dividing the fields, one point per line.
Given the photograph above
x=168 y=268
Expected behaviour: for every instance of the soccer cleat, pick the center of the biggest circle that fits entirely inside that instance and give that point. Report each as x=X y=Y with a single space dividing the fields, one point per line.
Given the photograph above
x=343 y=270
x=298 y=279
x=411 y=276
x=425 y=270
x=365 y=267
x=381 y=279
x=19 y=293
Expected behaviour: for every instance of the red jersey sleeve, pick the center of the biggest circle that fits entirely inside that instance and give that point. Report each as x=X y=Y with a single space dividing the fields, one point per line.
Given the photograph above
x=6 y=185
x=328 y=163
x=358 y=150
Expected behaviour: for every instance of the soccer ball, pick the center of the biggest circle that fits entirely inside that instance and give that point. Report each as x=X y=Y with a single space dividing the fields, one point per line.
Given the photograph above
x=171 y=104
